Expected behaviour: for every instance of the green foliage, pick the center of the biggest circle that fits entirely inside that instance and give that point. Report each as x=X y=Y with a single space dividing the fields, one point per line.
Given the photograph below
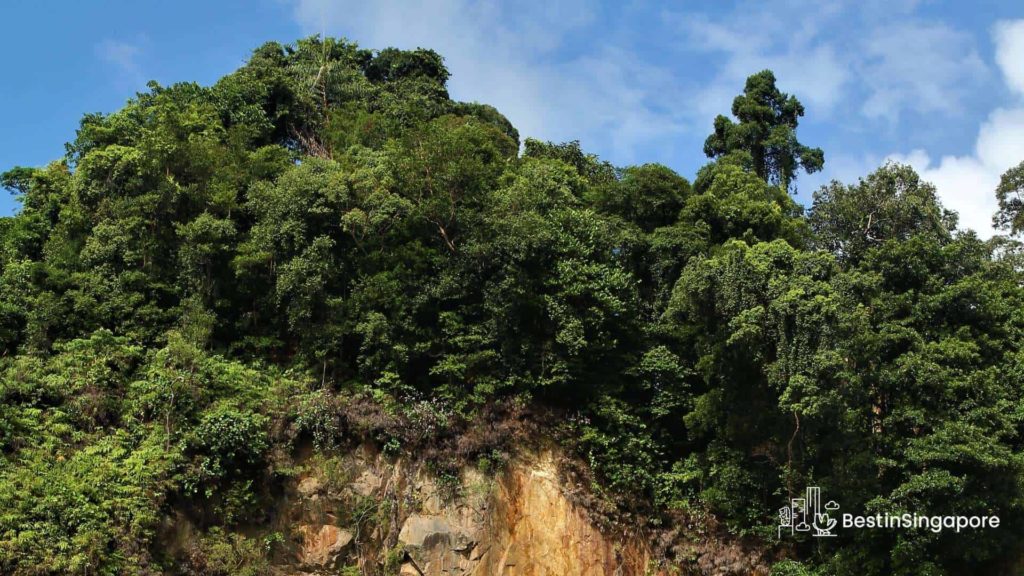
x=225 y=445
x=223 y=553
x=619 y=448
x=1011 y=206
x=891 y=203
x=791 y=568
x=87 y=510
x=323 y=247
x=318 y=415
x=766 y=131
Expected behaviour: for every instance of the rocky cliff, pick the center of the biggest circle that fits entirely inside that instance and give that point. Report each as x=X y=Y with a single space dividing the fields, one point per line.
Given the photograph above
x=376 y=515
x=358 y=511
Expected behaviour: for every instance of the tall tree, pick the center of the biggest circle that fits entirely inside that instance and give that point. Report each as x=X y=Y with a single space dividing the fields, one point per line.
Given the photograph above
x=766 y=130
x=890 y=204
x=1010 y=194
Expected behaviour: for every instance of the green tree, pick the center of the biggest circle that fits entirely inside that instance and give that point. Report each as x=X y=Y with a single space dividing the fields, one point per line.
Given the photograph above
x=324 y=248
x=890 y=204
x=1011 y=205
x=765 y=130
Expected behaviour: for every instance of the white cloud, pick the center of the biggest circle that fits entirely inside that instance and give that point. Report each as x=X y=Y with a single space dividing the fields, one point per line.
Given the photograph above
x=563 y=69
x=964 y=184
x=836 y=52
x=967 y=183
x=501 y=54
x=755 y=38
x=124 y=57
x=1009 y=36
x=916 y=66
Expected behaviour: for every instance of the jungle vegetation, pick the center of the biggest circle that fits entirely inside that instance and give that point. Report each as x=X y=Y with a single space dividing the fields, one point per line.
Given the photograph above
x=214 y=274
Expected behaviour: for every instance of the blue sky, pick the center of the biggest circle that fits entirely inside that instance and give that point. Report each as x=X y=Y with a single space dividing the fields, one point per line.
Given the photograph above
x=939 y=85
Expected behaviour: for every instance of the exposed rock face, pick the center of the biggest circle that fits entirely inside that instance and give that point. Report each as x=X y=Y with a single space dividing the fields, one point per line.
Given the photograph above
x=378 y=516
x=434 y=543
x=534 y=530
x=443 y=534
x=309 y=487
x=367 y=484
x=520 y=524
x=323 y=546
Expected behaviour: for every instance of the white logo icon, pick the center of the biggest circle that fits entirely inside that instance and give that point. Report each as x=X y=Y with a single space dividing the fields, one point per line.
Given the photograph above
x=805 y=514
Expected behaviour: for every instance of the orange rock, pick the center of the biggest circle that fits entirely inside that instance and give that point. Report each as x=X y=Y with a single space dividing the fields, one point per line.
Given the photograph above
x=323 y=546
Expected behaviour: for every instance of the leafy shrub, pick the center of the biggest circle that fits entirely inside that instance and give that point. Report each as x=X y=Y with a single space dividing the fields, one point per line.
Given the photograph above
x=227 y=444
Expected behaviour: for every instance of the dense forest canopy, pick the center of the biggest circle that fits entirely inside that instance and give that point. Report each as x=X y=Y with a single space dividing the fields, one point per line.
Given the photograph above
x=213 y=275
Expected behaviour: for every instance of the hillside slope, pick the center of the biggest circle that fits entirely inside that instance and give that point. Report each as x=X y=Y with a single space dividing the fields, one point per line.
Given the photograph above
x=222 y=292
